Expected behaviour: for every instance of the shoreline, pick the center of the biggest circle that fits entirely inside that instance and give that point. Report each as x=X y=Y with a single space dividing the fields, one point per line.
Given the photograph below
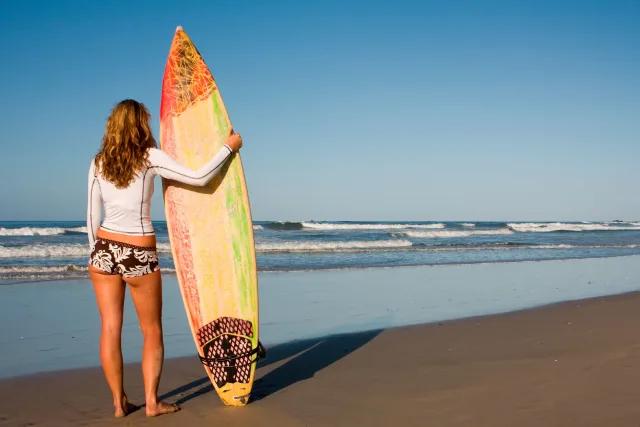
x=294 y=305
x=303 y=341
x=172 y=272
x=565 y=363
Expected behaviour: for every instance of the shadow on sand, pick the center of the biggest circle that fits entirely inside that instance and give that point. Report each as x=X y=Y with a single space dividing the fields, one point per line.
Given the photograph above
x=306 y=358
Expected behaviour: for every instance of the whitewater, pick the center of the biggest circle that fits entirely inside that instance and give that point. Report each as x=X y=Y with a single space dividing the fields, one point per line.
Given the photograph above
x=42 y=250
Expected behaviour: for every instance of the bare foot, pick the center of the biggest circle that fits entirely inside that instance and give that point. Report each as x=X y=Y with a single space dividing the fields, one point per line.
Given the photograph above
x=161 y=408
x=124 y=409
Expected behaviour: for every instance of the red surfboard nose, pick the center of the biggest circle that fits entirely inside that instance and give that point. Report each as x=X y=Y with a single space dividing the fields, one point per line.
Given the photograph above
x=186 y=76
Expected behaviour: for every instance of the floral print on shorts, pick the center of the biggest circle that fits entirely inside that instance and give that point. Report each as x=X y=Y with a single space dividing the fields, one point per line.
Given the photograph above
x=115 y=257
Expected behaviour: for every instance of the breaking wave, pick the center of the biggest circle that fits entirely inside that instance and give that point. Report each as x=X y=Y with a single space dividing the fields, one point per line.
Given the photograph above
x=442 y=234
x=318 y=246
x=40 y=231
x=364 y=226
x=547 y=227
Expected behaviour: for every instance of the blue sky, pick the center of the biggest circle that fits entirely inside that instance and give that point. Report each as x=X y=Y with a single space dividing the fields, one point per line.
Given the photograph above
x=350 y=110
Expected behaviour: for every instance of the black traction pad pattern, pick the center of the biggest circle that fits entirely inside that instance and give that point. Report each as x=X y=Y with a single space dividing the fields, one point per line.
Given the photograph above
x=226 y=338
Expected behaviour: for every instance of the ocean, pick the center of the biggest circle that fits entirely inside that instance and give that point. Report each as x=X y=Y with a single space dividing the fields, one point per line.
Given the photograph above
x=41 y=251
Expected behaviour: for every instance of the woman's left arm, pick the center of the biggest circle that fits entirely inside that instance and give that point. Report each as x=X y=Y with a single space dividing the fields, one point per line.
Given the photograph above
x=94 y=205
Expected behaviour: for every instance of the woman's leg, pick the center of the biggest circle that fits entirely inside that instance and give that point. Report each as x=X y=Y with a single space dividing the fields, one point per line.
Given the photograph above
x=109 y=290
x=146 y=292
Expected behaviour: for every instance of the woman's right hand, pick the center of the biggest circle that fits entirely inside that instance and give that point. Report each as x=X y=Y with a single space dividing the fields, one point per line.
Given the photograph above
x=234 y=141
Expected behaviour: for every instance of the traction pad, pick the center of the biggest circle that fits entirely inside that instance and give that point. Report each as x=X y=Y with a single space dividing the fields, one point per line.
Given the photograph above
x=226 y=345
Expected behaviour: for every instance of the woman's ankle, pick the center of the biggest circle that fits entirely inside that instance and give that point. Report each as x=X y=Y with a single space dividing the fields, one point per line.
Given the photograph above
x=120 y=399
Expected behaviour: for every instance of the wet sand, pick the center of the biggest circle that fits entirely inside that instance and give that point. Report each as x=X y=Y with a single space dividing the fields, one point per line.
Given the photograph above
x=36 y=335
x=574 y=363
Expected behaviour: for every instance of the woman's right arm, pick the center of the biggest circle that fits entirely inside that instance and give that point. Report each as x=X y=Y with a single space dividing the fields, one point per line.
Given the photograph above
x=165 y=166
x=94 y=205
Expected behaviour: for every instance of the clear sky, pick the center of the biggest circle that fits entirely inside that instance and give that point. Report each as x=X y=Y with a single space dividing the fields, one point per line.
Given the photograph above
x=350 y=110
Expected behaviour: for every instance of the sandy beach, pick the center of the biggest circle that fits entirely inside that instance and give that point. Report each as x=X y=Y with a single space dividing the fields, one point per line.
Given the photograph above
x=564 y=364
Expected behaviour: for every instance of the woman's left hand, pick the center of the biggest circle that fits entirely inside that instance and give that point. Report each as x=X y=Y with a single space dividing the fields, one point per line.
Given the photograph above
x=234 y=141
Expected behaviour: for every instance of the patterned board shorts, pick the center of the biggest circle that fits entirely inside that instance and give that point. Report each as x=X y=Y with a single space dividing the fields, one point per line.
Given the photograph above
x=115 y=257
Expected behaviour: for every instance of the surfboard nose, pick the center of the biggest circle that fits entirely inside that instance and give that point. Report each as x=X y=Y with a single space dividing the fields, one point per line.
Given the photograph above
x=186 y=77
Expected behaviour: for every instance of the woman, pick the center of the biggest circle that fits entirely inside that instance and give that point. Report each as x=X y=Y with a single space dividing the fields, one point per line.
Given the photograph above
x=123 y=247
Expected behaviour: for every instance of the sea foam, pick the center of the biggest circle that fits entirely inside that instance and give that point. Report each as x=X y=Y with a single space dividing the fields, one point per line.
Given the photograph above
x=59 y=250
x=318 y=246
x=546 y=227
x=40 y=231
x=362 y=226
x=454 y=233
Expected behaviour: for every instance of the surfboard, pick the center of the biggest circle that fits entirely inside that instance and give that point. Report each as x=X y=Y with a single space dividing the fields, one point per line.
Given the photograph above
x=210 y=228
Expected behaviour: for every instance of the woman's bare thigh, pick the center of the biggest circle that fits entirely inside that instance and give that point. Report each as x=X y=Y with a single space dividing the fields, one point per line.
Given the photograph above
x=109 y=290
x=146 y=292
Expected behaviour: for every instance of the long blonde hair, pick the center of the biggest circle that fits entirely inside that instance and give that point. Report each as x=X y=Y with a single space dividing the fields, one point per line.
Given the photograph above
x=127 y=136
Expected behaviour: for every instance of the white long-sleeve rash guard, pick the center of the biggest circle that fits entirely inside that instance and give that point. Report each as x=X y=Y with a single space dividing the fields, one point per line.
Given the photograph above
x=128 y=210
